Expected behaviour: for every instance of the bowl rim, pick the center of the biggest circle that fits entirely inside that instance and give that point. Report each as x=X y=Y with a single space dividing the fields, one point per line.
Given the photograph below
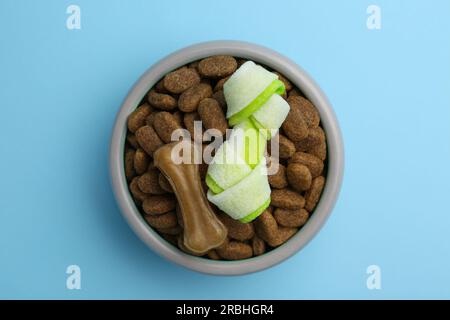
x=299 y=78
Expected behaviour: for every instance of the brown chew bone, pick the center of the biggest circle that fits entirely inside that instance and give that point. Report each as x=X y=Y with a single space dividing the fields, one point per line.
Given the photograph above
x=202 y=230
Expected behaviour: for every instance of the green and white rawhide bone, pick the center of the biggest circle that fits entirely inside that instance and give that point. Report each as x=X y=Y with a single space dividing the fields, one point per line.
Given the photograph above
x=236 y=157
x=237 y=177
x=248 y=89
x=270 y=116
x=248 y=198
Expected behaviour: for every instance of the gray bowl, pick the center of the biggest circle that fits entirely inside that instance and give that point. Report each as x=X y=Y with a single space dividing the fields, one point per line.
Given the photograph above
x=300 y=79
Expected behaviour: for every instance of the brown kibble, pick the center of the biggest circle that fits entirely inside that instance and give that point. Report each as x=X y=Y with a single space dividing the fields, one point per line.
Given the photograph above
x=212 y=115
x=220 y=83
x=295 y=126
x=283 y=235
x=220 y=98
x=278 y=180
x=137 y=118
x=298 y=176
x=164 y=183
x=217 y=66
x=171 y=231
x=129 y=164
x=194 y=65
x=181 y=79
x=213 y=255
x=286 y=82
x=162 y=221
x=131 y=138
x=266 y=227
x=236 y=229
x=164 y=124
x=189 y=123
x=189 y=100
x=161 y=100
x=314 y=164
x=258 y=246
x=287 y=199
x=154 y=205
x=313 y=194
x=235 y=250
x=223 y=244
x=151 y=117
x=308 y=111
x=291 y=218
x=149 y=182
x=148 y=139
x=319 y=150
x=141 y=161
x=286 y=147
x=137 y=193
x=178 y=116
x=315 y=136
x=160 y=87
x=314 y=143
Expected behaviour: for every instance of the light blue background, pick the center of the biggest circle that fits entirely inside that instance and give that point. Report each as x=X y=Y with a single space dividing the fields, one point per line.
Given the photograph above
x=60 y=90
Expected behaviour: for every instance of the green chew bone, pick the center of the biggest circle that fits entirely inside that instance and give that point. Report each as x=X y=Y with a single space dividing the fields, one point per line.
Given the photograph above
x=235 y=158
x=252 y=216
x=276 y=87
x=237 y=177
x=270 y=116
x=226 y=171
x=245 y=199
x=215 y=188
x=254 y=144
x=245 y=85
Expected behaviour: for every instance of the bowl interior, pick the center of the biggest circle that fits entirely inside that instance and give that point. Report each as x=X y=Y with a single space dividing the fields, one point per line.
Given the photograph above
x=301 y=80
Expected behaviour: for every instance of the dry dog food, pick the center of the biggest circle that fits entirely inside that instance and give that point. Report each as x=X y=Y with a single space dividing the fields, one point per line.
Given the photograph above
x=189 y=99
x=195 y=92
